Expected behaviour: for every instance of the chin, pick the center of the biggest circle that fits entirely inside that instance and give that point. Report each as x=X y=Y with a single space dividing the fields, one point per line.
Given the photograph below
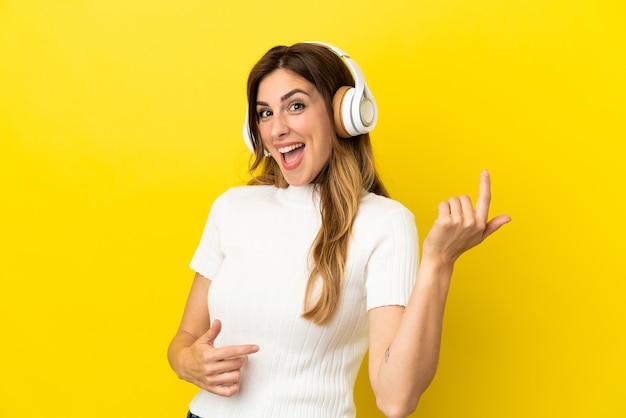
x=297 y=181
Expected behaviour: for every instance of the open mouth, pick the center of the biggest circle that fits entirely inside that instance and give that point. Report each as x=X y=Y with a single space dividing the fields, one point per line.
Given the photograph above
x=292 y=152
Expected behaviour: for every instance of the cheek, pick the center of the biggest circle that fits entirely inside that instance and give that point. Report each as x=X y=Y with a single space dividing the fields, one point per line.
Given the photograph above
x=327 y=151
x=264 y=133
x=327 y=143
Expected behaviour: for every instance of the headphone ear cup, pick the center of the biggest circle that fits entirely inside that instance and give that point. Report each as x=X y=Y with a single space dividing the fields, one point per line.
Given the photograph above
x=341 y=111
x=246 y=134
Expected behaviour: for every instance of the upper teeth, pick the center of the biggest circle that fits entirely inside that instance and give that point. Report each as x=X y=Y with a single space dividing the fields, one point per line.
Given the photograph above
x=288 y=148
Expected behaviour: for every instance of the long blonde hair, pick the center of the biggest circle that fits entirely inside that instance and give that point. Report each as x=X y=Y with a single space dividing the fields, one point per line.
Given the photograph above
x=348 y=174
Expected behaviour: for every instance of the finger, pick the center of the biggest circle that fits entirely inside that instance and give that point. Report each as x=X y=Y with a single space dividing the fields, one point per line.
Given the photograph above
x=444 y=209
x=235 y=351
x=484 y=196
x=495 y=224
x=210 y=336
x=455 y=208
x=222 y=388
x=227 y=365
x=228 y=378
x=466 y=205
x=223 y=371
x=227 y=390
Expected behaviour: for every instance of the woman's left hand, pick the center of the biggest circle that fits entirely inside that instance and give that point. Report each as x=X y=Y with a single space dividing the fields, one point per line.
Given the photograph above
x=460 y=227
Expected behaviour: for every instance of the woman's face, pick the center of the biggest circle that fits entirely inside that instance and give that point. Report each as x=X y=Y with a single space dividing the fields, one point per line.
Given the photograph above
x=294 y=125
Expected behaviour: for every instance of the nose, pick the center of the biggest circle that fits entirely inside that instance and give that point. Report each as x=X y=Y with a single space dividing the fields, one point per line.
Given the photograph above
x=280 y=127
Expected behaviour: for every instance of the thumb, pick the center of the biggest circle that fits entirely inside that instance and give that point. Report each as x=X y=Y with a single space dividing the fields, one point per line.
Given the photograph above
x=495 y=224
x=210 y=336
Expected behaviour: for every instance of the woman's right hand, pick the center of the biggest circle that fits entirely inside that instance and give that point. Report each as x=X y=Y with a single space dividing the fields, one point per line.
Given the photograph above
x=216 y=370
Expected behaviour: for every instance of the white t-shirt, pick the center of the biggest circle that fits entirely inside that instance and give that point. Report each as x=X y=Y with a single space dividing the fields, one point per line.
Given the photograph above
x=255 y=249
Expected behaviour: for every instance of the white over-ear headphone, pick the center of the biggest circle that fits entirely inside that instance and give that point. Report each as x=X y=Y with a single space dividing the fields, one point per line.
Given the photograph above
x=354 y=108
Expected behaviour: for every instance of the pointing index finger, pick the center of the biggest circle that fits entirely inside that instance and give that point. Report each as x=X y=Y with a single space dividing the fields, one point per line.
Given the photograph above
x=233 y=351
x=484 y=196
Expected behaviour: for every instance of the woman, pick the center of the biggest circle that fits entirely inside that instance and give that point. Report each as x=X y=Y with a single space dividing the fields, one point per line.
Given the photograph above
x=311 y=264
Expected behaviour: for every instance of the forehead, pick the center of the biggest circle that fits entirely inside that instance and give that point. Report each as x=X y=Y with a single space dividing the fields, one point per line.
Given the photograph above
x=282 y=81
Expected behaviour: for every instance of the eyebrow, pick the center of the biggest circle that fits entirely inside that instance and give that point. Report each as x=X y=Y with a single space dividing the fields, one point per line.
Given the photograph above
x=286 y=96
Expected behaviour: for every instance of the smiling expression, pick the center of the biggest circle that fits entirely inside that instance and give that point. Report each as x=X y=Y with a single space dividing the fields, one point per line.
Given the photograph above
x=295 y=125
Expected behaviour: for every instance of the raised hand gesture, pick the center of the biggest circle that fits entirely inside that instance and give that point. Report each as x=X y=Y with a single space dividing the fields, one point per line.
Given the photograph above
x=460 y=227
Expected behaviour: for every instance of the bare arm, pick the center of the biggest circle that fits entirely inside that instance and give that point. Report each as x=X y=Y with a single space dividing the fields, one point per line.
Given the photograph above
x=195 y=321
x=192 y=354
x=404 y=342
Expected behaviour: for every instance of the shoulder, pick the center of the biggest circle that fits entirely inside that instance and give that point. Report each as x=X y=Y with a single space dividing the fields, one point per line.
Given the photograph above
x=380 y=218
x=379 y=207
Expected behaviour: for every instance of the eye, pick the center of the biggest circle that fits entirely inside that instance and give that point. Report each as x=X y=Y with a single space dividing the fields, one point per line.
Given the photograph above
x=264 y=113
x=297 y=106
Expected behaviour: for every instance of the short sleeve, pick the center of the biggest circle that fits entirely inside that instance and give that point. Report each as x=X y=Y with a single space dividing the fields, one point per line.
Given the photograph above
x=208 y=258
x=392 y=267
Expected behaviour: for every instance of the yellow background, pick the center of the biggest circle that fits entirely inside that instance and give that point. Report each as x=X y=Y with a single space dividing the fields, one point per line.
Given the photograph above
x=120 y=122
